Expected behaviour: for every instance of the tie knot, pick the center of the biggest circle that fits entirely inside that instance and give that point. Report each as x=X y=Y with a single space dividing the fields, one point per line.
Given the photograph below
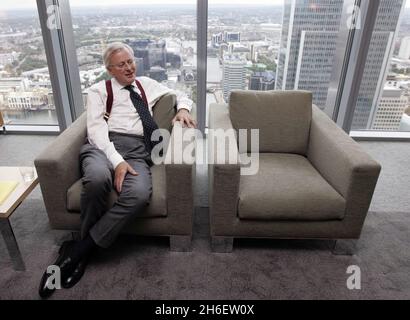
x=130 y=88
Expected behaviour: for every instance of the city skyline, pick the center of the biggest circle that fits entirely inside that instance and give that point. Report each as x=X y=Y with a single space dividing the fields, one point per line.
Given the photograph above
x=24 y=4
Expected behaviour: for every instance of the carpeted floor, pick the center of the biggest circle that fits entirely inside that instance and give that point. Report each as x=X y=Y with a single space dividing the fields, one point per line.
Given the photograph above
x=144 y=268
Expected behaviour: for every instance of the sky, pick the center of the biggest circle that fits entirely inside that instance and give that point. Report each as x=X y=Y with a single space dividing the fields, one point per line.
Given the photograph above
x=22 y=4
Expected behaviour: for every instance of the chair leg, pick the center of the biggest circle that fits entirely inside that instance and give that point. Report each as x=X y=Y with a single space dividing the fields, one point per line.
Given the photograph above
x=11 y=244
x=180 y=243
x=222 y=244
x=346 y=247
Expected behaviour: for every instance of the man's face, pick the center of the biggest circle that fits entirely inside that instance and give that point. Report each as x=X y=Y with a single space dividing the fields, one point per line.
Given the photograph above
x=122 y=67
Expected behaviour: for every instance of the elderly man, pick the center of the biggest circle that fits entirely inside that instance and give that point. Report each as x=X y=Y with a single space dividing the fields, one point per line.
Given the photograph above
x=116 y=155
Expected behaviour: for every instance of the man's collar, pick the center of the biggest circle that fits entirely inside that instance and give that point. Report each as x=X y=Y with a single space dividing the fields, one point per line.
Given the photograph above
x=117 y=85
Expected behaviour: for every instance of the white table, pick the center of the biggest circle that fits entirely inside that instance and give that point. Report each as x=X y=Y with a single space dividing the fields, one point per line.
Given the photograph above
x=8 y=207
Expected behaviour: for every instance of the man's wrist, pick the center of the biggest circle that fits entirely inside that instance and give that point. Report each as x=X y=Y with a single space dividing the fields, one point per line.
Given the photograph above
x=116 y=160
x=183 y=109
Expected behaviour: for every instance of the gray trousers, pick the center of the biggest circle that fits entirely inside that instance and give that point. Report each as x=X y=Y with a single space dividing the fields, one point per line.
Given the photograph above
x=103 y=223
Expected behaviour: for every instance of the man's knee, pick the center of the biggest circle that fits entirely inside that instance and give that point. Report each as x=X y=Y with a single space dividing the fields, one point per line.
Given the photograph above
x=97 y=183
x=135 y=201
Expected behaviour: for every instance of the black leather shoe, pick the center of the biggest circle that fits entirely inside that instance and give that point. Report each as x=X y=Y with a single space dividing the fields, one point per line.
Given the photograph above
x=66 y=267
x=76 y=275
x=44 y=291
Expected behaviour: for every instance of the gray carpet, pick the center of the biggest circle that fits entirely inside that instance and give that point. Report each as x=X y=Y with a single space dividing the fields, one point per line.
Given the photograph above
x=144 y=268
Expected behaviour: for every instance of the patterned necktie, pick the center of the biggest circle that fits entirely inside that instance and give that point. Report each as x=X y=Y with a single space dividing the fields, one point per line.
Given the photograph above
x=148 y=123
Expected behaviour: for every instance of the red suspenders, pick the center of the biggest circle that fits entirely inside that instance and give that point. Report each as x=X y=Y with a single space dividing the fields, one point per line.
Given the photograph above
x=108 y=106
x=110 y=97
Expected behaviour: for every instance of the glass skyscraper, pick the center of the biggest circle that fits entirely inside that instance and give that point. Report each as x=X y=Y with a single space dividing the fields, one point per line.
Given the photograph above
x=308 y=46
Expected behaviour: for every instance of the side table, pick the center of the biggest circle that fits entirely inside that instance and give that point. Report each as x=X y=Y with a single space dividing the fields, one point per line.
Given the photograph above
x=8 y=207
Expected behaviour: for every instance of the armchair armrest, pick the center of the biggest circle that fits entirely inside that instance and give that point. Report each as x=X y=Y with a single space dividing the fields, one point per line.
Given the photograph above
x=343 y=163
x=224 y=168
x=180 y=175
x=58 y=168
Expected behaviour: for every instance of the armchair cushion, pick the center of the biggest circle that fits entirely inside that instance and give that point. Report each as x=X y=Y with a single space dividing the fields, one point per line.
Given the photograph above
x=164 y=111
x=282 y=117
x=156 y=208
x=287 y=187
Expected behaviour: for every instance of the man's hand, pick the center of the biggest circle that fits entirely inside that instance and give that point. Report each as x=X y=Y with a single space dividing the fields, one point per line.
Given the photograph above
x=120 y=171
x=185 y=118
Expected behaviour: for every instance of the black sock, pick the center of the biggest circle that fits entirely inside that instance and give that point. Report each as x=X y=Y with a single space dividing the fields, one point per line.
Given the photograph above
x=83 y=248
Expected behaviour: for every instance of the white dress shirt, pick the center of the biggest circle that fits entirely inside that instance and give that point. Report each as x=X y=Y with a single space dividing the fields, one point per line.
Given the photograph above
x=124 y=118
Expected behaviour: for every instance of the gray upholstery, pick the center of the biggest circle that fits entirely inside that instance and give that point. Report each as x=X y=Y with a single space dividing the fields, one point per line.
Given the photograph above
x=285 y=124
x=315 y=185
x=171 y=208
x=164 y=112
x=287 y=187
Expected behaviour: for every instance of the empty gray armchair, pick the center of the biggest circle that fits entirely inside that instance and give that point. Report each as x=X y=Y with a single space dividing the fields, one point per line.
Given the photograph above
x=313 y=181
x=170 y=210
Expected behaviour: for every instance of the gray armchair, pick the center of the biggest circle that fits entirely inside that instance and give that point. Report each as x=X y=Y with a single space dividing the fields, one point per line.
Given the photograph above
x=171 y=208
x=313 y=182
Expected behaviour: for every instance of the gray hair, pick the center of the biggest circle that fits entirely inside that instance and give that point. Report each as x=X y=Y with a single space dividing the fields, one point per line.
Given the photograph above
x=114 y=48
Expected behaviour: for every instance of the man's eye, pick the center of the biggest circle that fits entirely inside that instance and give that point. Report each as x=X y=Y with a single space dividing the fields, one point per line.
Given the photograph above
x=121 y=65
x=130 y=61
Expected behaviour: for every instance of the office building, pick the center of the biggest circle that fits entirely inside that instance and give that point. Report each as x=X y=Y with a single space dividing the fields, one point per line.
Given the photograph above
x=233 y=74
x=390 y=110
x=157 y=53
x=253 y=56
x=308 y=46
x=232 y=36
x=28 y=100
x=404 y=52
x=152 y=52
x=217 y=39
x=405 y=120
x=262 y=81
x=140 y=67
x=377 y=63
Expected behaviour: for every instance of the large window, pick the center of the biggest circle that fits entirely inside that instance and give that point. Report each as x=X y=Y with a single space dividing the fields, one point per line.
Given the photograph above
x=251 y=45
x=383 y=102
x=26 y=97
x=243 y=46
x=275 y=45
x=163 y=37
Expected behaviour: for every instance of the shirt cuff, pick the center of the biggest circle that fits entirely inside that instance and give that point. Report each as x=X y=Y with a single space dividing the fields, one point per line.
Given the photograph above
x=184 y=106
x=116 y=159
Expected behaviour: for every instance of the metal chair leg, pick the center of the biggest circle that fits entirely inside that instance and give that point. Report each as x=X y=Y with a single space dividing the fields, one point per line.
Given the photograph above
x=12 y=246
